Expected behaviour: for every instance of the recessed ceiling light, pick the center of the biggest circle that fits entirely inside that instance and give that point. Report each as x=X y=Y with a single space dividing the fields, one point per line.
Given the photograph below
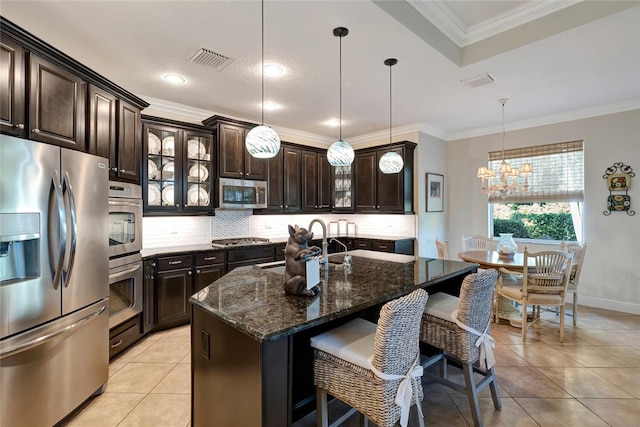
x=333 y=123
x=270 y=106
x=273 y=70
x=174 y=78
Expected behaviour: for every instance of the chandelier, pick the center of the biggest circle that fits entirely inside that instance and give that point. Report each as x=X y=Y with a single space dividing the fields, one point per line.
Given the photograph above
x=508 y=183
x=390 y=162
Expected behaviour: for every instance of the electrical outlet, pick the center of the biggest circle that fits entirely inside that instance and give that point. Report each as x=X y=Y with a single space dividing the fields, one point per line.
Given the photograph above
x=173 y=228
x=267 y=225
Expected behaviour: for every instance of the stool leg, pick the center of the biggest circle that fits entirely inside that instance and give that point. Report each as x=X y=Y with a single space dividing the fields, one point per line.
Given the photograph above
x=322 y=414
x=494 y=390
x=472 y=394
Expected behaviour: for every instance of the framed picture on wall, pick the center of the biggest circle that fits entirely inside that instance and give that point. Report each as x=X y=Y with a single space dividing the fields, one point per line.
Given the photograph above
x=435 y=192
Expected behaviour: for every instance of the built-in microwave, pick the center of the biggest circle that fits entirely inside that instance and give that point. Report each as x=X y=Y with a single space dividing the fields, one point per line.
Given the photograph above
x=242 y=194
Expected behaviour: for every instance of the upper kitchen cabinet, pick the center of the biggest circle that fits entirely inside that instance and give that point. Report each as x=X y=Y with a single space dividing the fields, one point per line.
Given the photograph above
x=178 y=168
x=284 y=180
x=342 y=189
x=50 y=97
x=114 y=132
x=377 y=192
x=234 y=161
x=12 y=87
x=57 y=100
x=315 y=181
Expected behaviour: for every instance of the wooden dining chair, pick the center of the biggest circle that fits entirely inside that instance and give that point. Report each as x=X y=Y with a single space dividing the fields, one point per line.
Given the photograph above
x=443 y=249
x=543 y=284
x=476 y=243
x=578 y=250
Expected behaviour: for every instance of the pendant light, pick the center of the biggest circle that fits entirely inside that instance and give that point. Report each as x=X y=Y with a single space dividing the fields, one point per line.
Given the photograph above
x=390 y=162
x=262 y=142
x=340 y=153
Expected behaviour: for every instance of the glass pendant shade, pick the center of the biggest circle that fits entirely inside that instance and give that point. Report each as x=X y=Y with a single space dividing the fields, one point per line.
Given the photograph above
x=340 y=153
x=391 y=162
x=262 y=142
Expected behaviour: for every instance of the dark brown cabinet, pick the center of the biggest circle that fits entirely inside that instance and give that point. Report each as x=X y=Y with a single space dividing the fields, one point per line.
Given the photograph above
x=377 y=192
x=315 y=182
x=114 y=132
x=49 y=97
x=283 y=181
x=178 y=168
x=57 y=100
x=209 y=267
x=248 y=256
x=173 y=290
x=148 y=295
x=12 y=87
x=397 y=246
x=234 y=160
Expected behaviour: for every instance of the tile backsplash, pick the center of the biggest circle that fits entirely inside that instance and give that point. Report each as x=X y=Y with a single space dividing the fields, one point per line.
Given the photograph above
x=176 y=231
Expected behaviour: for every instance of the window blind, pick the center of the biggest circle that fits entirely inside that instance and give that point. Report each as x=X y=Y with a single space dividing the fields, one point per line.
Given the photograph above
x=558 y=172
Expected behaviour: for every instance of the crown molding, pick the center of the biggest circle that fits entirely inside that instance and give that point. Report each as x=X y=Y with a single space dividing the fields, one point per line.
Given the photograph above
x=602 y=110
x=436 y=12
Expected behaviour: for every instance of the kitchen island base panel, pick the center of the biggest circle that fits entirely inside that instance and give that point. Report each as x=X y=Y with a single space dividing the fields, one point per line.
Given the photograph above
x=236 y=380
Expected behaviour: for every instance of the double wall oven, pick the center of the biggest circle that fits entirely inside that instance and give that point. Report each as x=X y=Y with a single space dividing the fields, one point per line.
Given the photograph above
x=125 y=244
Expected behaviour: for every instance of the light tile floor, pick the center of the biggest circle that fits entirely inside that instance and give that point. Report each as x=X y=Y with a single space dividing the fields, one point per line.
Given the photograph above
x=592 y=379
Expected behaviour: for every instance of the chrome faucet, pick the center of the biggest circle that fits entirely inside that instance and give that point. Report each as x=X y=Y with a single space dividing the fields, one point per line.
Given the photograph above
x=325 y=245
x=347 y=258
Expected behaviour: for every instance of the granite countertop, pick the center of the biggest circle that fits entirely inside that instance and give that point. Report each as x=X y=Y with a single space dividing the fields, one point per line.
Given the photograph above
x=254 y=302
x=166 y=250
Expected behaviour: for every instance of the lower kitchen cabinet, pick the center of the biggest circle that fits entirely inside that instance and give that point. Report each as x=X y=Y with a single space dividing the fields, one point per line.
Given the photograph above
x=124 y=336
x=248 y=256
x=148 y=295
x=173 y=290
x=400 y=246
x=209 y=267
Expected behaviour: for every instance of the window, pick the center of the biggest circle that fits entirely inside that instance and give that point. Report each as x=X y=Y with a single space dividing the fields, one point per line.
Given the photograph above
x=552 y=208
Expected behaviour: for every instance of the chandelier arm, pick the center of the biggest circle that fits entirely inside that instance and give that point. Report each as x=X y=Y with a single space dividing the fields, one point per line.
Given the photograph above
x=262 y=67
x=340 y=90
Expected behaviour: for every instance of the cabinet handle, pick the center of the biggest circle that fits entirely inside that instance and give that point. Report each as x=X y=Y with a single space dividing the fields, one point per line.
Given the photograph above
x=382 y=246
x=177 y=205
x=373 y=207
x=198 y=271
x=36 y=130
x=122 y=171
x=19 y=126
x=116 y=344
x=378 y=207
x=189 y=272
x=114 y=169
x=175 y=262
x=209 y=258
x=153 y=264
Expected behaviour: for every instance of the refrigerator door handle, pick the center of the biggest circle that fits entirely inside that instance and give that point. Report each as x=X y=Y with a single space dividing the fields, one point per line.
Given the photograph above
x=68 y=190
x=57 y=218
x=43 y=339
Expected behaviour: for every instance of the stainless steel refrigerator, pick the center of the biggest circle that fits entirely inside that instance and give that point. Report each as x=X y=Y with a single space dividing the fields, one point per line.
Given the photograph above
x=54 y=281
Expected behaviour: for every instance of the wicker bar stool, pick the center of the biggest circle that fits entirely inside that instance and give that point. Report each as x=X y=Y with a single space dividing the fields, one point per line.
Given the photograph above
x=371 y=367
x=459 y=328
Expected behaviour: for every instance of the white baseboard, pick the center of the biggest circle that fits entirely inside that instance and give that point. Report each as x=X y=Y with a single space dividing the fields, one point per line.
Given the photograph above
x=622 y=306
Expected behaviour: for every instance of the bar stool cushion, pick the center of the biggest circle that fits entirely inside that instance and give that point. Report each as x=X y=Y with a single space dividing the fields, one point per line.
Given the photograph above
x=441 y=305
x=354 y=342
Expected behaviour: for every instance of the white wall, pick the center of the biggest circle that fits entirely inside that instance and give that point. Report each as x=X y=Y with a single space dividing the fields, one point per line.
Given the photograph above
x=431 y=155
x=610 y=276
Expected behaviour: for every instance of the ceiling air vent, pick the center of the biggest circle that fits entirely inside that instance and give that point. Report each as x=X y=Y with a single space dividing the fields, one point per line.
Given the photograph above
x=480 y=80
x=211 y=59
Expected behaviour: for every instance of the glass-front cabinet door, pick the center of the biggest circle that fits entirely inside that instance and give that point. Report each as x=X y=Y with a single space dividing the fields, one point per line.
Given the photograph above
x=199 y=157
x=163 y=167
x=179 y=170
x=342 y=189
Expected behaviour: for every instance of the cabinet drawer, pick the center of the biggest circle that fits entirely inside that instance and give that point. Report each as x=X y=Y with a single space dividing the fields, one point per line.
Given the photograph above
x=361 y=244
x=383 y=246
x=174 y=262
x=250 y=253
x=209 y=258
x=123 y=336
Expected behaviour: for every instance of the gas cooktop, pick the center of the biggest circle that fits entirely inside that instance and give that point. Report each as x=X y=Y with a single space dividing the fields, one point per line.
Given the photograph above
x=241 y=241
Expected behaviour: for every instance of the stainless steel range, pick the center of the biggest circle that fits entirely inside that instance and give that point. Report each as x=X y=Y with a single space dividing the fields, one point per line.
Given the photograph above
x=240 y=241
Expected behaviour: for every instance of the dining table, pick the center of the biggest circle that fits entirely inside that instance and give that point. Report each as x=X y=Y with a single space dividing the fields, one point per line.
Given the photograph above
x=494 y=259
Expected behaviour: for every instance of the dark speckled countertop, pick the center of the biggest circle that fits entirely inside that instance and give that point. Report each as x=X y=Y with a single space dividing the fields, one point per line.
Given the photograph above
x=253 y=300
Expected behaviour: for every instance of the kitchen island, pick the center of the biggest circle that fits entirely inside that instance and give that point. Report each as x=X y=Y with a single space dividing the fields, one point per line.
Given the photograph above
x=251 y=362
